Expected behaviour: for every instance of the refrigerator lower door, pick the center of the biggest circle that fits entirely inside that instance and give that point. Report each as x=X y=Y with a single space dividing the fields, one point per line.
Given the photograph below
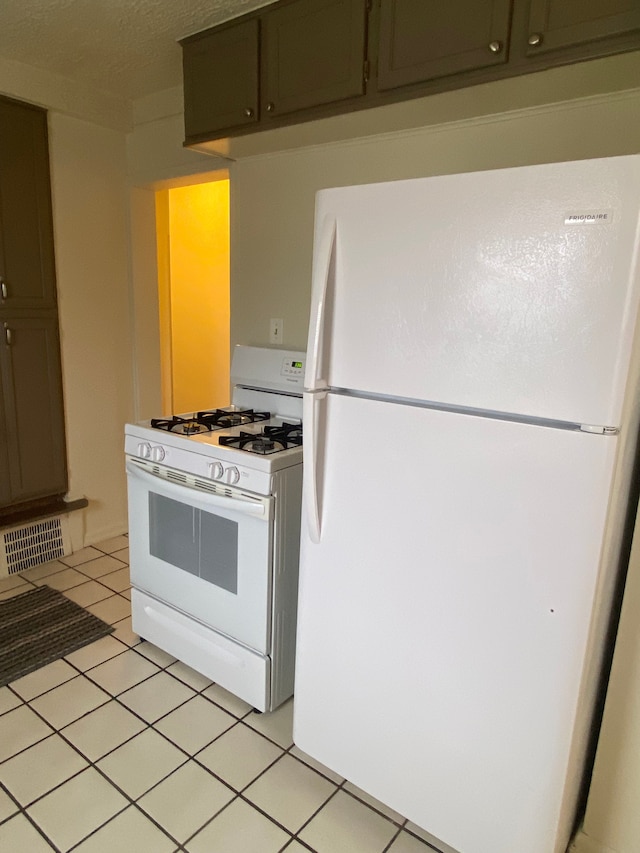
x=444 y=616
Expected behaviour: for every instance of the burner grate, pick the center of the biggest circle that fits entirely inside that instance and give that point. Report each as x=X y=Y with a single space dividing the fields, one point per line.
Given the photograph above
x=184 y=426
x=272 y=439
x=223 y=419
x=209 y=420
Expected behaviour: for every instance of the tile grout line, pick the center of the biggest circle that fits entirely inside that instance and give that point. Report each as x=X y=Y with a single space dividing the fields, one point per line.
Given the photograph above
x=90 y=763
x=93 y=763
x=239 y=794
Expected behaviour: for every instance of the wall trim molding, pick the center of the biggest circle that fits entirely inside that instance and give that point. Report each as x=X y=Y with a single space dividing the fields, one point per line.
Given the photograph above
x=426 y=128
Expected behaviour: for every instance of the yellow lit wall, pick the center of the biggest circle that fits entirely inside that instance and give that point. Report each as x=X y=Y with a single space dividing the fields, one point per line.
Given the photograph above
x=199 y=295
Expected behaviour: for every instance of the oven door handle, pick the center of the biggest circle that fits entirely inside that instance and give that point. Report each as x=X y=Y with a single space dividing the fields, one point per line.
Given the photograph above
x=244 y=506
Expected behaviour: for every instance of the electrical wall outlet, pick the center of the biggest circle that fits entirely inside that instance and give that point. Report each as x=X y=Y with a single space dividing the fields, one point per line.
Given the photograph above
x=275 y=331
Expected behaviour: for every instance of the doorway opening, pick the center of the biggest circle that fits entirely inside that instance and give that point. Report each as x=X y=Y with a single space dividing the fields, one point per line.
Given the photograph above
x=192 y=227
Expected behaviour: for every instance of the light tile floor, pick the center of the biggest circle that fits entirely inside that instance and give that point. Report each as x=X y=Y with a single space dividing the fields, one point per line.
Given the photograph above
x=121 y=747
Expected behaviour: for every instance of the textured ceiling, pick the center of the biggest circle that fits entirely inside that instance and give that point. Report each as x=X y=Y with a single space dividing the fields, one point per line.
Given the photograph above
x=125 y=47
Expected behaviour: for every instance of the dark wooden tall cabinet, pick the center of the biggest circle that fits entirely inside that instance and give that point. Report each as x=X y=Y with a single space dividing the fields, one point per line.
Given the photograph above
x=5 y=486
x=32 y=437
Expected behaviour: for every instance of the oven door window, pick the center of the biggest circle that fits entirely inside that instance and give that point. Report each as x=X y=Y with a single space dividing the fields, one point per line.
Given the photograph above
x=198 y=542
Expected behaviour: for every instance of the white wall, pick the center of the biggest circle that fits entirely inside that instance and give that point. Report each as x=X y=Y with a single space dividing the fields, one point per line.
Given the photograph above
x=90 y=211
x=272 y=199
x=156 y=156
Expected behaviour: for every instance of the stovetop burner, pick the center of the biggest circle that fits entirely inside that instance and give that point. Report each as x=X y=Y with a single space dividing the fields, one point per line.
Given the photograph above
x=222 y=419
x=209 y=420
x=272 y=439
x=184 y=426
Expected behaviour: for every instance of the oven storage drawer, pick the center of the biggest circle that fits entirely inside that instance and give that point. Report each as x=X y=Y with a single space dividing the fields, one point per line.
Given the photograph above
x=234 y=667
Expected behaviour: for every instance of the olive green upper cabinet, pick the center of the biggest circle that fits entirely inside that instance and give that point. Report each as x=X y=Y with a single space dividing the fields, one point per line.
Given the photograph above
x=27 y=267
x=421 y=40
x=221 y=70
x=313 y=53
x=297 y=60
x=592 y=25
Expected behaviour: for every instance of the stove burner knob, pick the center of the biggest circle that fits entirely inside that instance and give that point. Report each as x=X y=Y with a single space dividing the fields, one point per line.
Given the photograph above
x=216 y=470
x=157 y=454
x=233 y=475
x=144 y=450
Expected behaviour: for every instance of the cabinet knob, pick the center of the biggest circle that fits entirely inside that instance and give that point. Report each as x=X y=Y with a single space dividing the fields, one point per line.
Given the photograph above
x=535 y=39
x=7 y=334
x=248 y=111
x=270 y=107
x=495 y=46
x=3 y=289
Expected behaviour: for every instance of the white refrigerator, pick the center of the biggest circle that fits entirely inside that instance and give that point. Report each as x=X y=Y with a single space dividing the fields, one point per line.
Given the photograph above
x=470 y=425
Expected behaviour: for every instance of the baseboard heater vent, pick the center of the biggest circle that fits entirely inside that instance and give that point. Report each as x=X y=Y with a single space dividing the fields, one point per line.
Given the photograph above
x=30 y=545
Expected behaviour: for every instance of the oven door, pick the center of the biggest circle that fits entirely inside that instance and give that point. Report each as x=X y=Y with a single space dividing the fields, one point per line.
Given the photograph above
x=208 y=555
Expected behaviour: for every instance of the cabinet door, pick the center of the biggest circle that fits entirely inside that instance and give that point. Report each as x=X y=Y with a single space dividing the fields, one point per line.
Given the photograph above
x=5 y=485
x=556 y=24
x=312 y=53
x=26 y=234
x=221 y=79
x=33 y=407
x=424 y=39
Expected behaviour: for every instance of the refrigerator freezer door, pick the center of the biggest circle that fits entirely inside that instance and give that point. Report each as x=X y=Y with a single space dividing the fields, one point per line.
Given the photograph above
x=444 y=615
x=513 y=290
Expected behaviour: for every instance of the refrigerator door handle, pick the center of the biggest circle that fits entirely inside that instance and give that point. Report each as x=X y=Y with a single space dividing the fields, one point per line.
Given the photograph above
x=319 y=291
x=311 y=494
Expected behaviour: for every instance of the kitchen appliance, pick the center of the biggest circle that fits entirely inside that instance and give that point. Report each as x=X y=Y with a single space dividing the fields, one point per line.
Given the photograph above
x=214 y=529
x=471 y=412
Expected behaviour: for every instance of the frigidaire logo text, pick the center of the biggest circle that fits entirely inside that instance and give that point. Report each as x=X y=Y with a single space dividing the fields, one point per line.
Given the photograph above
x=602 y=217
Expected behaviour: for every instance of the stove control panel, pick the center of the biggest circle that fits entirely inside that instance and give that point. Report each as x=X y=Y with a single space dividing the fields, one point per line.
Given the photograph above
x=267 y=368
x=230 y=470
x=292 y=367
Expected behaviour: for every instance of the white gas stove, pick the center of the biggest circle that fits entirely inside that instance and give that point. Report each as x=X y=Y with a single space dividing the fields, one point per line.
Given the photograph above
x=214 y=524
